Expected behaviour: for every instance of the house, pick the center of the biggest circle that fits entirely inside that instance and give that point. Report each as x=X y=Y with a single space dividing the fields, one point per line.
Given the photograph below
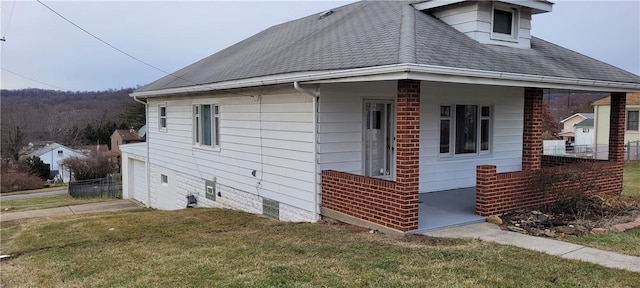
x=125 y=136
x=602 y=109
x=568 y=132
x=53 y=154
x=382 y=113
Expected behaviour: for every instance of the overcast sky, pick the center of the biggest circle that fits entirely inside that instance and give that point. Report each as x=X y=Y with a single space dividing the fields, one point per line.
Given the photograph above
x=172 y=34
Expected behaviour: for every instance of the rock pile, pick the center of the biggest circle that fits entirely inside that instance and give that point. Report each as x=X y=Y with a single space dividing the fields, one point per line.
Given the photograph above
x=537 y=223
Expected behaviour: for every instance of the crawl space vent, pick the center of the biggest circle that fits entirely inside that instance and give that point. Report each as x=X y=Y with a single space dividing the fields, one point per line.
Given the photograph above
x=271 y=208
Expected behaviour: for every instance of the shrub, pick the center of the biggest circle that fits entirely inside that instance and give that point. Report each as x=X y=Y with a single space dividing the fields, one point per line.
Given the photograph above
x=18 y=181
x=37 y=167
x=89 y=168
x=570 y=185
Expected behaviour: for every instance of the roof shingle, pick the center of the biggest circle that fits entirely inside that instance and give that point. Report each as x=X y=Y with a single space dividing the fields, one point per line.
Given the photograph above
x=368 y=34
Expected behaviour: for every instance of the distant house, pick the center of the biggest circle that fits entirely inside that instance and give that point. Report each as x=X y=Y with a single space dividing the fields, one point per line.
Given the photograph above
x=365 y=112
x=568 y=132
x=602 y=109
x=125 y=136
x=53 y=155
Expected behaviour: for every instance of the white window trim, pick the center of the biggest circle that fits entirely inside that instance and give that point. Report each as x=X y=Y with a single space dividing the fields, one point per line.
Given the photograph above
x=515 y=23
x=452 y=137
x=626 y=121
x=160 y=117
x=214 y=146
x=164 y=179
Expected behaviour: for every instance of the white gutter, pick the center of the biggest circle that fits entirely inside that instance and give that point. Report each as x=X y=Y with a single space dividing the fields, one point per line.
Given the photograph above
x=146 y=160
x=409 y=71
x=313 y=95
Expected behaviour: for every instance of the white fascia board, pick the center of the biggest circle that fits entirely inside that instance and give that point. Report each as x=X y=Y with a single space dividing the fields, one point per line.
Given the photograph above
x=574 y=115
x=536 y=5
x=430 y=4
x=408 y=71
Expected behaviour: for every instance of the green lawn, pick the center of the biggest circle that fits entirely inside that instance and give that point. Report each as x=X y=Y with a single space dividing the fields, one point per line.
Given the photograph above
x=631 y=185
x=223 y=248
x=626 y=243
x=8 y=206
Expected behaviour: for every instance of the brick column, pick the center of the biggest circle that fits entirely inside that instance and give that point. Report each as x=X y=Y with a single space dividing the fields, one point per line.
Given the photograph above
x=486 y=189
x=408 y=151
x=532 y=130
x=616 y=139
x=617 y=127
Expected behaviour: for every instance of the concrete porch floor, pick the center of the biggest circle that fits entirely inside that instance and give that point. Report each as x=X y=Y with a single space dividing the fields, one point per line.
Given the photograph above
x=444 y=209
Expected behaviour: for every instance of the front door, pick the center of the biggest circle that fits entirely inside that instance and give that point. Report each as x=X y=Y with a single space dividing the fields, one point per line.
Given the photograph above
x=379 y=139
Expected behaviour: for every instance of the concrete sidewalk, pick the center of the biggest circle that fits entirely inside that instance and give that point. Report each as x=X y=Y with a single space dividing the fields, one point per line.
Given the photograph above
x=492 y=233
x=116 y=205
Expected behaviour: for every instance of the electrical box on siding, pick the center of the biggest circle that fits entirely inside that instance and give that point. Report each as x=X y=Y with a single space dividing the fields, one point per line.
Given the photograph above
x=271 y=208
x=210 y=190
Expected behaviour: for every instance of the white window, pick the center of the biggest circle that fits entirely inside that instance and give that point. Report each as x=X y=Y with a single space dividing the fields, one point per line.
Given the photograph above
x=465 y=129
x=585 y=130
x=633 y=120
x=504 y=24
x=206 y=125
x=164 y=179
x=162 y=117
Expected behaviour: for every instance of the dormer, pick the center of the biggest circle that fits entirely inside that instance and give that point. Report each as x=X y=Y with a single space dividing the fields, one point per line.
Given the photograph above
x=506 y=23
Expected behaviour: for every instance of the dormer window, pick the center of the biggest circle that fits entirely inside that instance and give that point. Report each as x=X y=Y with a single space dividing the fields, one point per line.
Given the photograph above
x=504 y=25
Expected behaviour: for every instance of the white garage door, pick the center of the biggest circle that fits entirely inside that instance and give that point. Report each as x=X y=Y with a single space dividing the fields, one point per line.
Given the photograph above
x=139 y=181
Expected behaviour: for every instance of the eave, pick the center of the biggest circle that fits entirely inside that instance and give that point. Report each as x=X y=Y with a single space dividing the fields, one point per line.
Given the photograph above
x=407 y=71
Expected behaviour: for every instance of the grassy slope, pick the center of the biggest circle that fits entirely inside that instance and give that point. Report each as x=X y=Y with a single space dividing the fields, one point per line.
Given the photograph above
x=222 y=248
x=627 y=242
x=631 y=184
x=8 y=206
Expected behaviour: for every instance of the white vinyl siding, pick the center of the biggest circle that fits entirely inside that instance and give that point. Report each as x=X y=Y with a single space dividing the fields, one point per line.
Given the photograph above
x=475 y=18
x=438 y=173
x=271 y=133
x=340 y=142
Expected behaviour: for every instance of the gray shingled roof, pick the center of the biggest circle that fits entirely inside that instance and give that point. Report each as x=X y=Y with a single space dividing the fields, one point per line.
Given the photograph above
x=368 y=34
x=585 y=123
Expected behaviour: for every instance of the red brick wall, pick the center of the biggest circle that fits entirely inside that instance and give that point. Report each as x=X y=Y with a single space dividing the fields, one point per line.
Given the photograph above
x=498 y=193
x=502 y=192
x=553 y=161
x=393 y=204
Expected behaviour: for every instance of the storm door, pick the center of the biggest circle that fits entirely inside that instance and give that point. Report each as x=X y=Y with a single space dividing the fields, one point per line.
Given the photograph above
x=379 y=139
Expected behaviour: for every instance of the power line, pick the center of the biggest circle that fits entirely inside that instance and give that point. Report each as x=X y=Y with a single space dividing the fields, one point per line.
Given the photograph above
x=114 y=47
x=6 y=28
x=34 y=80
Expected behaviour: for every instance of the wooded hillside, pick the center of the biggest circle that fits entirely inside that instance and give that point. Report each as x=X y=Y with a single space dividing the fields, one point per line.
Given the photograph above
x=67 y=117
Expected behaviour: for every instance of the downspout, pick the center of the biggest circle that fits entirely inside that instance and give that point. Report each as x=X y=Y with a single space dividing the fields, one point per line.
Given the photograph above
x=314 y=95
x=146 y=162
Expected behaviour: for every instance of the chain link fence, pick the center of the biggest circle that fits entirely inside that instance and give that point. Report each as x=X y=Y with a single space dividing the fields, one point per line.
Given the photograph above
x=107 y=187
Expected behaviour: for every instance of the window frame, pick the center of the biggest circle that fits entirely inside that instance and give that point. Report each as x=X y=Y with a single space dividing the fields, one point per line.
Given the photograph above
x=515 y=22
x=162 y=127
x=627 y=122
x=214 y=123
x=164 y=179
x=453 y=126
